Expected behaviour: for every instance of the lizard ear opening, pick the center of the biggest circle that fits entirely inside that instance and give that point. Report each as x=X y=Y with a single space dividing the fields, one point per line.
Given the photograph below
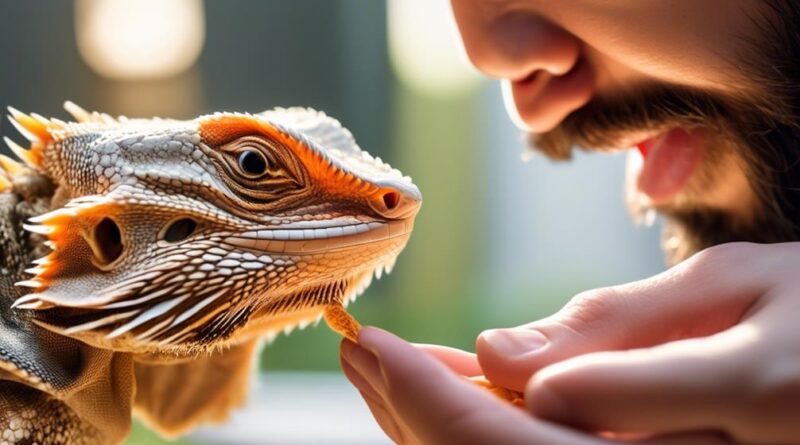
x=178 y=230
x=106 y=242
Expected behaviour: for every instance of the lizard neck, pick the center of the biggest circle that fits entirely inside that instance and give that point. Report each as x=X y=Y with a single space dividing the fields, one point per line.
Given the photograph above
x=30 y=195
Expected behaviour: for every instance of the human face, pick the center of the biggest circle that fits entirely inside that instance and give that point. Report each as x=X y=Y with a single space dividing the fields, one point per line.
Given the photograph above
x=686 y=82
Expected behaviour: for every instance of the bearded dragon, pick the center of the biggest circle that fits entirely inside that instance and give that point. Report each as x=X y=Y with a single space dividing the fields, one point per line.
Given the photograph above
x=145 y=260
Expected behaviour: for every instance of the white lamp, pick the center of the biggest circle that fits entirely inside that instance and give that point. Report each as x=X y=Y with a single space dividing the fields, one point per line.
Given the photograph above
x=139 y=39
x=425 y=50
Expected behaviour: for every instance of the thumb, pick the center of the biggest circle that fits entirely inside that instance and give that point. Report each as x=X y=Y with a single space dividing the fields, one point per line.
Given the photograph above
x=705 y=294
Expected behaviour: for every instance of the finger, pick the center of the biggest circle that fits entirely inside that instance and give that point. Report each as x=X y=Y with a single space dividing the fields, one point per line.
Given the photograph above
x=703 y=295
x=679 y=386
x=442 y=407
x=460 y=362
x=366 y=371
x=363 y=386
x=385 y=417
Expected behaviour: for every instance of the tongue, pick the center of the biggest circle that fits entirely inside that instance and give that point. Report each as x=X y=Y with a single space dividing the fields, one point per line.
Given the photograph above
x=669 y=161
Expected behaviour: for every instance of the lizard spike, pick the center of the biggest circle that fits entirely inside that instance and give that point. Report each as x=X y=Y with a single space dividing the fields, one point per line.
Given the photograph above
x=98 y=323
x=41 y=119
x=31 y=128
x=23 y=154
x=12 y=167
x=22 y=301
x=28 y=303
x=182 y=317
x=43 y=261
x=153 y=331
x=107 y=119
x=389 y=265
x=53 y=215
x=154 y=312
x=33 y=284
x=40 y=229
x=77 y=112
x=58 y=122
x=34 y=270
x=270 y=336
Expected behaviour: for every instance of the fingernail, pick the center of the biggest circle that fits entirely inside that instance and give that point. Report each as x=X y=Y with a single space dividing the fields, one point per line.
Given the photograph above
x=513 y=343
x=347 y=349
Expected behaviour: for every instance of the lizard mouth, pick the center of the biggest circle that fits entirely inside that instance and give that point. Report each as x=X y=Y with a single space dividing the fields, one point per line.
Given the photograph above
x=161 y=319
x=306 y=241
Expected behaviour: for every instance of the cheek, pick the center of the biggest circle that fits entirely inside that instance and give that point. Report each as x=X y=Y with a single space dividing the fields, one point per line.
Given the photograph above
x=695 y=43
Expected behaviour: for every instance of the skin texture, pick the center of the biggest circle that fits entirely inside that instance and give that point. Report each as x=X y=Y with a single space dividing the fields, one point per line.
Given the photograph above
x=704 y=353
x=607 y=76
x=145 y=261
x=679 y=352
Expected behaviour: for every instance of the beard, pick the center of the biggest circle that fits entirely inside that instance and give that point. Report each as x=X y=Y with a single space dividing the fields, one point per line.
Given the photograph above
x=760 y=130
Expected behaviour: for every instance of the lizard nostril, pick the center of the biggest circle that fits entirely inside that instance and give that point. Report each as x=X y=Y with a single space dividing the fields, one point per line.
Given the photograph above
x=391 y=200
x=395 y=202
x=107 y=243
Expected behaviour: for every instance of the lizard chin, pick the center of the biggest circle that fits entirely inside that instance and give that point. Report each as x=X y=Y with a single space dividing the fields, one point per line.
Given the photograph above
x=305 y=307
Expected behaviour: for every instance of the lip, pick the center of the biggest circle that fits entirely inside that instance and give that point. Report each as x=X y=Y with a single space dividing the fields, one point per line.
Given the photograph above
x=297 y=241
x=669 y=160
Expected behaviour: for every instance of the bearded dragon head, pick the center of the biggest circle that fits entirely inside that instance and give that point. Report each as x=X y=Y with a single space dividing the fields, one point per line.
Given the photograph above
x=178 y=236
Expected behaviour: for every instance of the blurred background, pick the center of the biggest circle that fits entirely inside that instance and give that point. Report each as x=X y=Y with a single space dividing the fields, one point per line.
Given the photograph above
x=499 y=241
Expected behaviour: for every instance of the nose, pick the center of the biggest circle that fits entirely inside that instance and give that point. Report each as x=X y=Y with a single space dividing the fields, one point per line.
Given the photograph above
x=545 y=70
x=396 y=201
x=513 y=46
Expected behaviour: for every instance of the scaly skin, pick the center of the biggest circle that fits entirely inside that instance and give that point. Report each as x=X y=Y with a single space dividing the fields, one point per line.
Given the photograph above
x=167 y=252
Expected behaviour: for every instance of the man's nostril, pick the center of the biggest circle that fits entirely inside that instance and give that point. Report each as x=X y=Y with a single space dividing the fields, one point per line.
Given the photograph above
x=391 y=200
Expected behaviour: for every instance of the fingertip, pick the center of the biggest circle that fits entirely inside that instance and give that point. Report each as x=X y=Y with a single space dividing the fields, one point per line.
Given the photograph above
x=543 y=400
x=384 y=345
x=346 y=348
x=372 y=338
x=459 y=361
x=512 y=343
x=509 y=357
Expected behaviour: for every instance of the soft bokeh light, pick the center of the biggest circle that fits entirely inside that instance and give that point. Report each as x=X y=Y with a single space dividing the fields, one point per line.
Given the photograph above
x=425 y=50
x=498 y=242
x=139 y=39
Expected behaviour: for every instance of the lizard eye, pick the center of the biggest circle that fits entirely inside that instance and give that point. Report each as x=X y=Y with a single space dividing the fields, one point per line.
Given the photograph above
x=252 y=163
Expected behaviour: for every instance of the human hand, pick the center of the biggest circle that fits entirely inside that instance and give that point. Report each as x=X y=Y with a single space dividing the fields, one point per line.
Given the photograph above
x=711 y=344
x=416 y=399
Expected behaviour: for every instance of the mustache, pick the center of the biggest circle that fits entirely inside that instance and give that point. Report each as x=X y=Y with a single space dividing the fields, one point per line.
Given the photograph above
x=764 y=136
x=604 y=122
